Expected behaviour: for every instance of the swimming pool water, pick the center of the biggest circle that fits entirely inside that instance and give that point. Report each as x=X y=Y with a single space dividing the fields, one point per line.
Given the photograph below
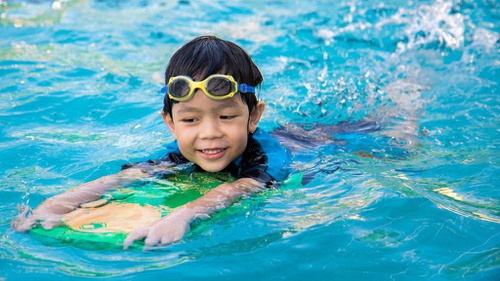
x=418 y=200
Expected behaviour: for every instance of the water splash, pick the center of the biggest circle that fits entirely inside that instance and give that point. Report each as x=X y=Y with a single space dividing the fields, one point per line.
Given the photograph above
x=427 y=26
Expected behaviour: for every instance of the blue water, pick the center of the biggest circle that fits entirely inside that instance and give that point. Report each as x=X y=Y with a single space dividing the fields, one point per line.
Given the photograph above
x=418 y=200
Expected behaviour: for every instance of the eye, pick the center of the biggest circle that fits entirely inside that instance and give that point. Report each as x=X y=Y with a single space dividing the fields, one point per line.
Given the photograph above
x=189 y=120
x=227 y=117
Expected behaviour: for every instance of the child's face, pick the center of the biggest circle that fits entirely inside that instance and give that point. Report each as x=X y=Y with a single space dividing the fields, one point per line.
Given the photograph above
x=212 y=133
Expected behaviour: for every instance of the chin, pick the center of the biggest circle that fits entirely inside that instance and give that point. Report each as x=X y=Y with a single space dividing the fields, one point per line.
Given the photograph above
x=212 y=169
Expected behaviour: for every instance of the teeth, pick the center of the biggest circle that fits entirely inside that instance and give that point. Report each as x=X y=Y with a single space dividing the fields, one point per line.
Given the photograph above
x=211 y=151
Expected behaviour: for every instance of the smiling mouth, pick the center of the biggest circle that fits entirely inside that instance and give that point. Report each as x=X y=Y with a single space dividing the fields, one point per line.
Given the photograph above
x=213 y=153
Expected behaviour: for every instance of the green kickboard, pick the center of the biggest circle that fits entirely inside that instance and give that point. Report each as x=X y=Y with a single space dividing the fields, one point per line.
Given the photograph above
x=106 y=222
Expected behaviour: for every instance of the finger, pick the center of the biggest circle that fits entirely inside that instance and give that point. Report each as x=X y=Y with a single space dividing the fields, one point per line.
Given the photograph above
x=50 y=223
x=22 y=222
x=153 y=238
x=136 y=234
x=167 y=240
x=173 y=236
x=157 y=242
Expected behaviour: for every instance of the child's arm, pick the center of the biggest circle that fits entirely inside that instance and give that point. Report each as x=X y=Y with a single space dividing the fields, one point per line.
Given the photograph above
x=49 y=213
x=173 y=227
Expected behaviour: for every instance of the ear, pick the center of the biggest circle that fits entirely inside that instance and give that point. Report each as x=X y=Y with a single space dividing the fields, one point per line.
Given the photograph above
x=170 y=123
x=255 y=116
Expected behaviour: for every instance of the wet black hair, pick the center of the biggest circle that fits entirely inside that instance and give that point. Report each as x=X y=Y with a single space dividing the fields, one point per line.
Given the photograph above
x=207 y=55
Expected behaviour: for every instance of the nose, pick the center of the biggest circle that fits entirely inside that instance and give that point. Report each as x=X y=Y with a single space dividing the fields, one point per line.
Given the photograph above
x=210 y=129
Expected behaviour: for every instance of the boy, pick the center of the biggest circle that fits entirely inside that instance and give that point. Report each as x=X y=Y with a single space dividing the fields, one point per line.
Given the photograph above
x=212 y=111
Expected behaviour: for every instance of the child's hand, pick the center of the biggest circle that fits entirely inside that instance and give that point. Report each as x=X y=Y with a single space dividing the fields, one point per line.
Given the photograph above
x=166 y=231
x=27 y=219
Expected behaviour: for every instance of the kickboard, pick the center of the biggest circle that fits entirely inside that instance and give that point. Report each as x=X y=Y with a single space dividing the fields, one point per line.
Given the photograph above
x=106 y=222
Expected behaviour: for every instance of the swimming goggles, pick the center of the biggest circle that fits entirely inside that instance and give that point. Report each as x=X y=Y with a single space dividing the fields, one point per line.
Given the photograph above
x=217 y=87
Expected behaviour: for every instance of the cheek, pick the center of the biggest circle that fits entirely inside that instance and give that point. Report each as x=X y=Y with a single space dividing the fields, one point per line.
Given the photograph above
x=181 y=135
x=184 y=136
x=185 y=147
x=240 y=137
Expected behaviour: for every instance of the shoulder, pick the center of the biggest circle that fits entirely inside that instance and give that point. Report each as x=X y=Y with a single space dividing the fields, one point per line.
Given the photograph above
x=173 y=154
x=271 y=145
x=279 y=157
